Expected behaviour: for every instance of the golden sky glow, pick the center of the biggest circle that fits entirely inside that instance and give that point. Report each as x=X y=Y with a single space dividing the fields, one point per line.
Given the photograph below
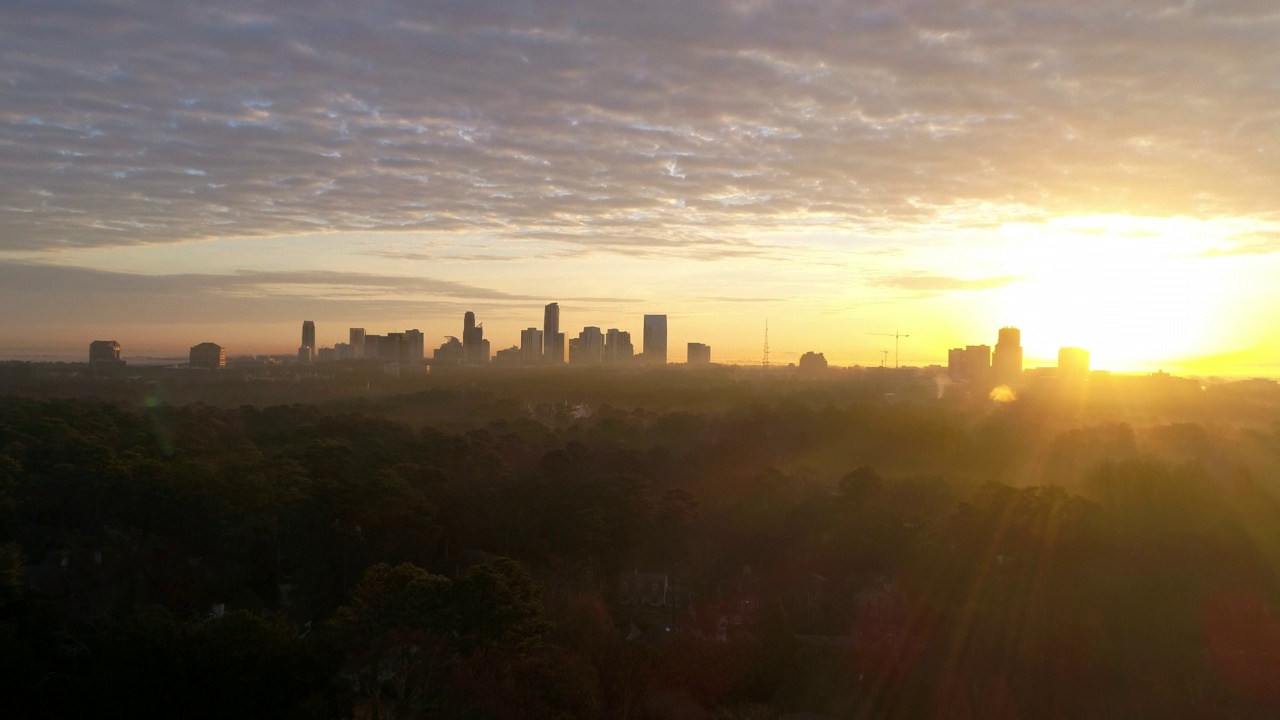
x=1100 y=174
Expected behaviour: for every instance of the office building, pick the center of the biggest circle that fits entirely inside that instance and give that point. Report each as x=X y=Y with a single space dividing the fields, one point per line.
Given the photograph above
x=372 y=346
x=396 y=348
x=1006 y=363
x=617 y=346
x=530 y=346
x=977 y=363
x=449 y=353
x=475 y=347
x=1073 y=363
x=308 y=341
x=343 y=351
x=655 y=339
x=326 y=354
x=209 y=356
x=552 y=338
x=356 y=338
x=104 y=357
x=104 y=351
x=509 y=357
x=813 y=362
x=698 y=354
x=415 y=350
x=587 y=348
x=957 y=369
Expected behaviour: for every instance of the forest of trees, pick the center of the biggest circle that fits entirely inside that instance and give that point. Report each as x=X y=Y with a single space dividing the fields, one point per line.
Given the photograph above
x=455 y=551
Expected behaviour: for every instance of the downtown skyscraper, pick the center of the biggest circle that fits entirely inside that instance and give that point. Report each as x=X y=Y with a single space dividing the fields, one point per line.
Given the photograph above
x=552 y=338
x=655 y=339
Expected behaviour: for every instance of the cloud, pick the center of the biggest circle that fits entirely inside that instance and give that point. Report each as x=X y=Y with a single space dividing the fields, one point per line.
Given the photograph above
x=659 y=128
x=36 y=293
x=1260 y=243
x=930 y=283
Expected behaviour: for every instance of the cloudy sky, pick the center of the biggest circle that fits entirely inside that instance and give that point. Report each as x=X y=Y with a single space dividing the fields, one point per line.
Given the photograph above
x=1101 y=173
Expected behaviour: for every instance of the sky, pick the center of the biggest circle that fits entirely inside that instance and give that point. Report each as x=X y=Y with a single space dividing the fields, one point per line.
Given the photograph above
x=1099 y=173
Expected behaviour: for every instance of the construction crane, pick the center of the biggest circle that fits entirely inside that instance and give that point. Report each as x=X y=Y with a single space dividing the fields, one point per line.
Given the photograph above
x=896 y=336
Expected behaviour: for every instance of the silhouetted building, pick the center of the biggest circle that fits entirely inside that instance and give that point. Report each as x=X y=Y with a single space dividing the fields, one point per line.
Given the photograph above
x=509 y=357
x=356 y=338
x=308 y=341
x=552 y=338
x=326 y=354
x=698 y=354
x=812 y=361
x=343 y=351
x=207 y=355
x=587 y=348
x=1006 y=363
x=372 y=347
x=957 y=368
x=655 y=339
x=617 y=346
x=977 y=363
x=475 y=347
x=450 y=353
x=415 y=348
x=530 y=346
x=1073 y=363
x=104 y=351
x=104 y=357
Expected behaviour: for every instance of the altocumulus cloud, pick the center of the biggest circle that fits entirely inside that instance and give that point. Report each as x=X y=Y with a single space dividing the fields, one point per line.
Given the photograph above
x=660 y=126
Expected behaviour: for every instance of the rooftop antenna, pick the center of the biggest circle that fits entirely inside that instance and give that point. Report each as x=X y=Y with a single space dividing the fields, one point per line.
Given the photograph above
x=765 y=364
x=895 y=335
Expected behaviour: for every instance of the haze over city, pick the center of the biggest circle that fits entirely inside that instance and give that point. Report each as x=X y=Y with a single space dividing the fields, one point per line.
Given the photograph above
x=1101 y=175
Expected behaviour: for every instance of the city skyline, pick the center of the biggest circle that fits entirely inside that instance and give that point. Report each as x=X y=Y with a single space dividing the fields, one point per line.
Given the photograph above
x=1001 y=364
x=1104 y=174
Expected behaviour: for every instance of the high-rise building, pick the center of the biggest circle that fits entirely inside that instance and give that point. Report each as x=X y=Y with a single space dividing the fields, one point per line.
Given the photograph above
x=977 y=363
x=655 y=339
x=1006 y=363
x=813 y=362
x=552 y=338
x=531 y=346
x=357 y=342
x=450 y=353
x=372 y=347
x=617 y=346
x=957 y=369
x=306 y=354
x=1073 y=362
x=473 y=342
x=395 y=348
x=343 y=351
x=308 y=338
x=207 y=355
x=587 y=348
x=509 y=357
x=698 y=354
x=104 y=351
x=104 y=357
x=415 y=348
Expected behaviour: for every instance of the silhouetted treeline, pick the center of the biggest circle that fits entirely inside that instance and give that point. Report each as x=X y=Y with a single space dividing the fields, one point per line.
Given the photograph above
x=463 y=552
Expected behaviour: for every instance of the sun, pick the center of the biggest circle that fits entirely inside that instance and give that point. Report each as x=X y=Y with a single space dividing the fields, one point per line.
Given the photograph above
x=1137 y=295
